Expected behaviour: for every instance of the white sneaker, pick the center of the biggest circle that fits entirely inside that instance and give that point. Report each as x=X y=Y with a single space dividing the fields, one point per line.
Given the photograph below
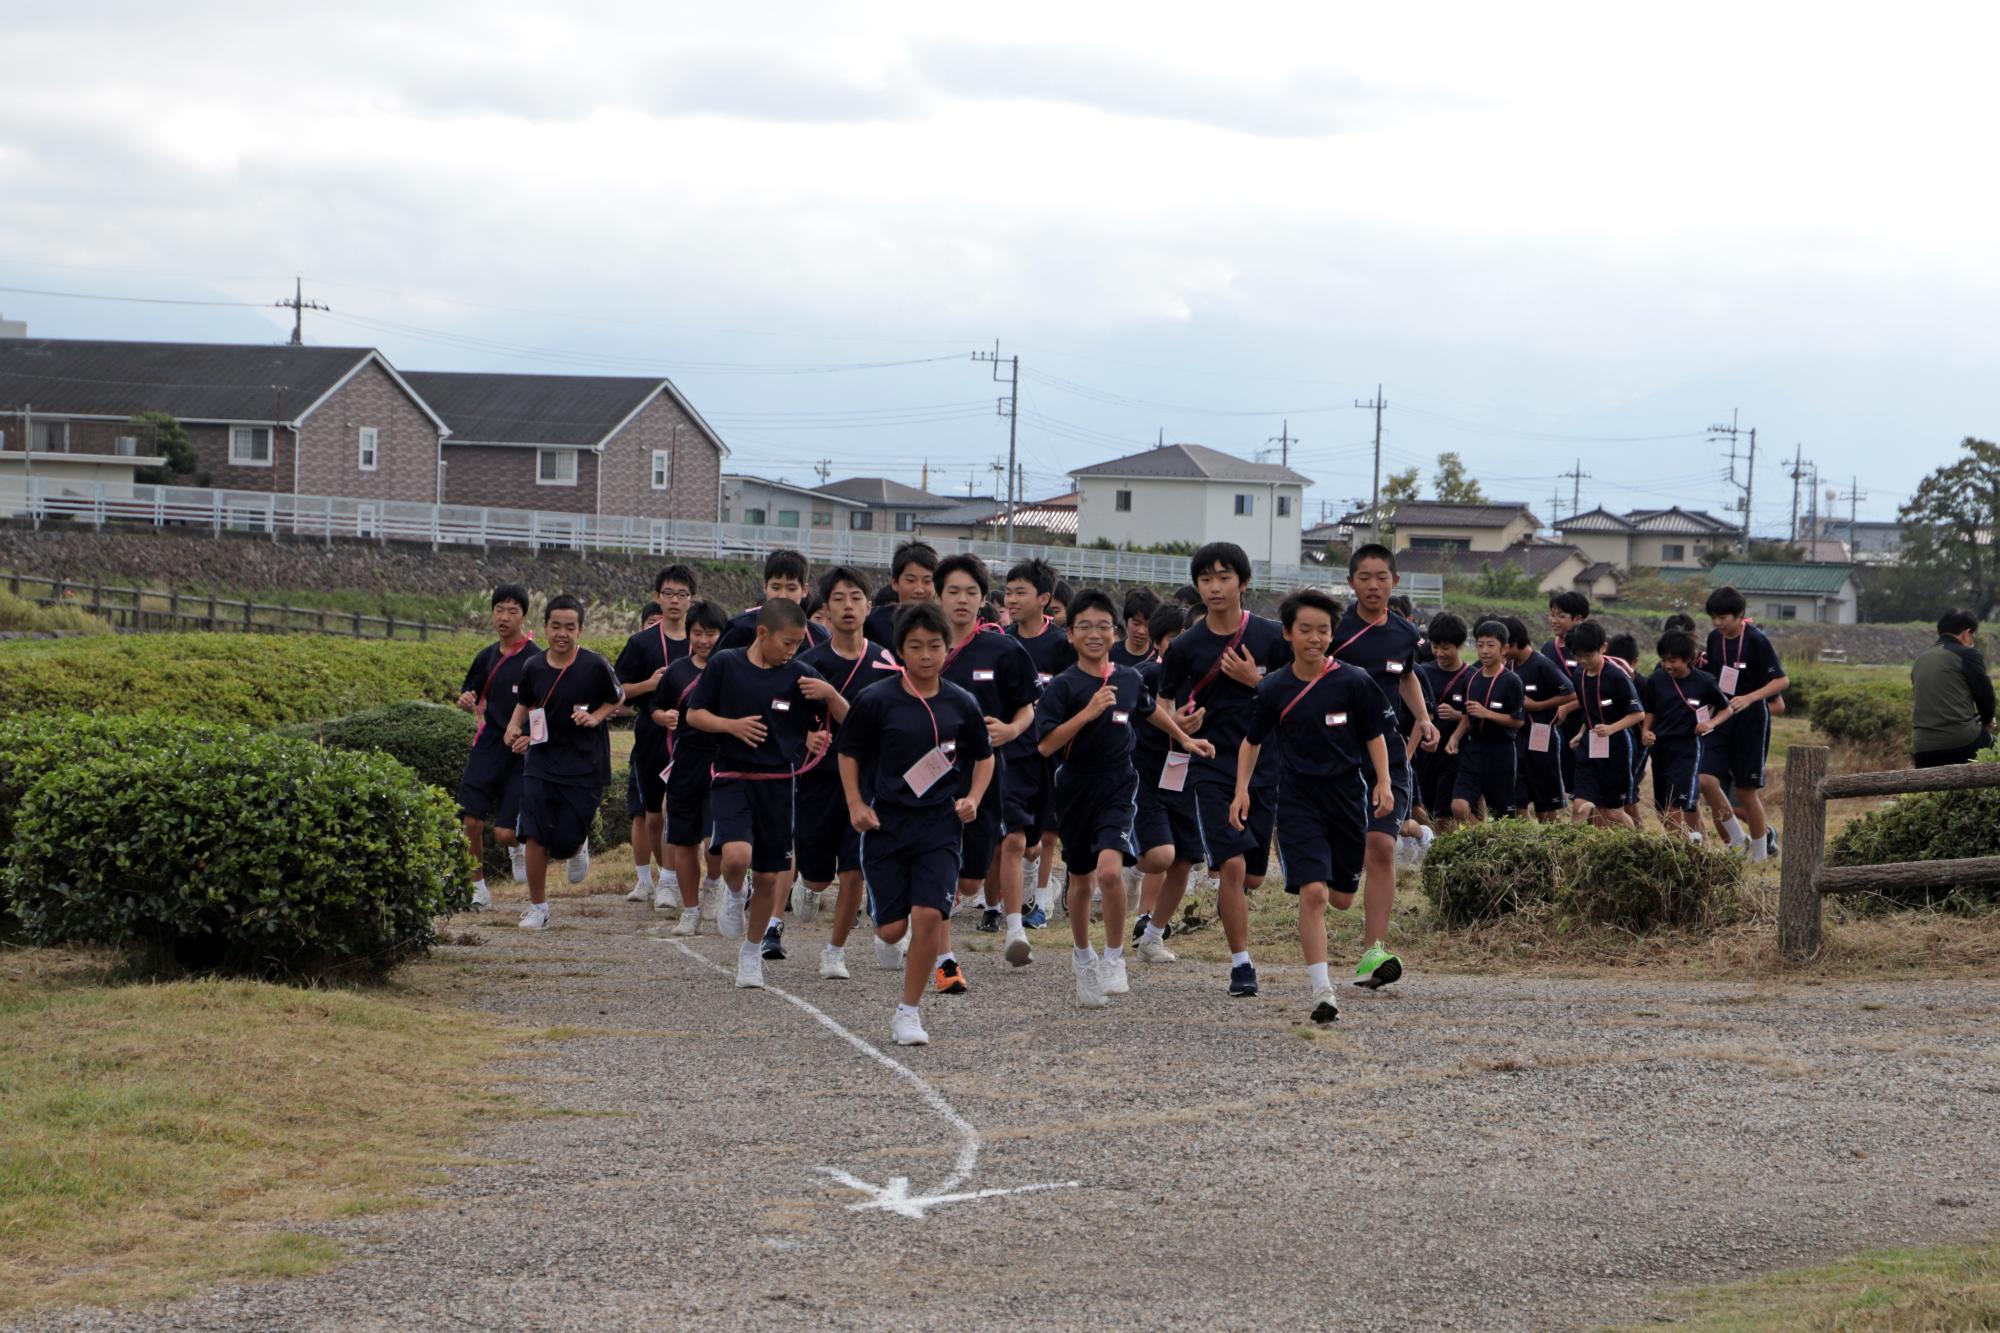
x=908 y=1030
x=833 y=964
x=517 y=855
x=1019 y=952
x=1156 y=951
x=1089 y=984
x=536 y=917
x=887 y=956
x=666 y=895
x=805 y=903
x=710 y=900
x=1325 y=1007
x=735 y=921
x=749 y=971
x=1112 y=970
x=689 y=923
x=640 y=893
x=482 y=898
x=579 y=866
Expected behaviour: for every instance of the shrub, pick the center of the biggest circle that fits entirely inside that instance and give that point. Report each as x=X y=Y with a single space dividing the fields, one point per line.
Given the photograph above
x=432 y=739
x=1928 y=826
x=264 y=855
x=21 y=616
x=1862 y=713
x=32 y=747
x=1638 y=881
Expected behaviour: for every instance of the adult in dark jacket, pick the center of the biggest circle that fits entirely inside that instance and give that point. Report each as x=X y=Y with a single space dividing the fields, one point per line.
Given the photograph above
x=1952 y=710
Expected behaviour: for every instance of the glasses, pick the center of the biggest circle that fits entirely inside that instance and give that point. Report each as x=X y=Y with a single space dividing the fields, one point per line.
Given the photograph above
x=675 y=595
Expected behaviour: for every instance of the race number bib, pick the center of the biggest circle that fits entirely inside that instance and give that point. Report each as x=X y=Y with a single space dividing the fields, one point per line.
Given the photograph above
x=1174 y=776
x=538 y=725
x=1600 y=746
x=1538 y=737
x=924 y=774
x=1728 y=680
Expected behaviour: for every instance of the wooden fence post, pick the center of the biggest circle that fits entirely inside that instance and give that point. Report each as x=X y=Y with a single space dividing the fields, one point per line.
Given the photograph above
x=1799 y=918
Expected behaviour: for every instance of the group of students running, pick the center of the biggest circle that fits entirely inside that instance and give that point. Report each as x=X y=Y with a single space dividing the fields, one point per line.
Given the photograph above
x=924 y=745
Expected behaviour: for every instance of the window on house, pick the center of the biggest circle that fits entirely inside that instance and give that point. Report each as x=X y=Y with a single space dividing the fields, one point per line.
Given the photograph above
x=250 y=446
x=1123 y=502
x=49 y=437
x=1440 y=544
x=862 y=520
x=662 y=470
x=788 y=518
x=754 y=517
x=1673 y=551
x=1284 y=506
x=725 y=514
x=555 y=467
x=1781 y=611
x=905 y=522
x=1246 y=504
x=371 y=454
x=822 y=519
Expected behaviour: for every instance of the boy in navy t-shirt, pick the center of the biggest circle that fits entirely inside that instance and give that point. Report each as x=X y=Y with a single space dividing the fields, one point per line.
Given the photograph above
x=558 y=727
x=1483 y=738
x=1163 y=824
x=1443 y=677
x=1545 y=689
x=913 y=576
x=641 y=666
x=1210 y=674
x=1608 y=703
x=1334 y=775
x=690 y=753
x=1030 y=798
x=766 y=728
x=1137 y=646
x=490 y=788
x=1747 y=670
x=1682 y=707
x=914 y=763
x=785 y=577
x=1086 y=718
x=1567 y=609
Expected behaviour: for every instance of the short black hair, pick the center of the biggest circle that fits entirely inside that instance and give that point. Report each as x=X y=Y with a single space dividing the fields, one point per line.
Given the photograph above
x=648 y=611
x=1679 y=620
x=1227 y=555
x=884 y=596
x=1677 y=644
x=1188 y=595
x=1957 y=621
x=921 y=554
x=969 y=565
x=1141 y=603
x=512 y=592
x=812 y=604
x=920 y=615
x=1492 y=629
x=1570 y=602
x=1725 y=602
x=1307 y=599
x=1036 y=574
x=840 y=574
x=1517 y=632
x=1402 y=606
x=1093 y=599
x=706 y=615
x=1063 y=593
x=1623 y=647
x=1586 y=636
x=1447 y=629
x=1371 y=551
x=786 y=565
x=680 y=574
x=781 y=613
x=1167 y=619
x=562 y=601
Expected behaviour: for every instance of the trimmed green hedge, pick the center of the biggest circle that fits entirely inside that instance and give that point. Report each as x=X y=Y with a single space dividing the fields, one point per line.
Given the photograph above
x=1616 y=877
x=1863 y=711
x=433 y=739
x=1928 y=826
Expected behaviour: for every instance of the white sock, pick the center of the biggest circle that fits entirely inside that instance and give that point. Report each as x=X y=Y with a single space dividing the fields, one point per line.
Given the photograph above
x=738 y=895
x=946 y=957
x=750 y=949
x=1045 y=900
x=1733 y=831
x=1316 y=974
x=978 y=903
x=694 y=911
x=1085 y=955
x=1239 y=958
x=479 y=885
x=1014 y=921
x=645 y=874
x=711 y=883
x=1155 y=934
x=1759 y=850
x=1113 y=952
x=907 y=1010
x=836 y=950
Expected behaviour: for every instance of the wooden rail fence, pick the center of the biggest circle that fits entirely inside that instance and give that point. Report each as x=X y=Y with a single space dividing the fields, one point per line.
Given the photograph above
x=152 y=610
x=1806 y=878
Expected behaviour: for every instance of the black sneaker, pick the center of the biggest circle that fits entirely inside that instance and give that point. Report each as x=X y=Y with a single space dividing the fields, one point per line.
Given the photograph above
x=774 y=941
x=1243 y=980
x=1139 y=925
x=989 y=921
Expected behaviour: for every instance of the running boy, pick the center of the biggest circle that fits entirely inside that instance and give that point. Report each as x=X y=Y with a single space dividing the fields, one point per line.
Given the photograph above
x=1443 y=677
x=1608 y=704
x=1567 y=609
x=1030 y=815
x=1163 y=822
x=1682 y=706
x=1484 y=737
x=785 y=574
x=913 y=574
x=1545 y=688
x=1747 y=670
x=1334 y=766
x=641 y=666
x=914 y=765
x=690 y=755
x=490 y=789
x=1085 y=718
x=558 y=725
x=1137 y=645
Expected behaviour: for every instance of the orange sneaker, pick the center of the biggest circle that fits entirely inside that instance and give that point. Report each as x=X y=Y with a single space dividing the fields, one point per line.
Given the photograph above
x=948 y=978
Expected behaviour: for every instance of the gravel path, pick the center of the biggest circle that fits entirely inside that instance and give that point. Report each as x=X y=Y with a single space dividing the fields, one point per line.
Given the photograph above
x=1458 y=1152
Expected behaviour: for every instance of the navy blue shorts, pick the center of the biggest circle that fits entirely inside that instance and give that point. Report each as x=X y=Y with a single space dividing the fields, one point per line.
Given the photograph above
x=1209 y=794
x=1094 y=815
x=687 y=803
x=910 y=862
x=1027 y=797
x=1677 y=773
x=1435 y=773
x=645 y=791
x=1323 y=834
x=1734 y=752
x=1488 y=774
x=491 y=786
x=1165 y=819
x=827 y=842
x=1539 y=777
x=1399 y=778
x=557 y=815
x=756 y=811
x=1607 y=783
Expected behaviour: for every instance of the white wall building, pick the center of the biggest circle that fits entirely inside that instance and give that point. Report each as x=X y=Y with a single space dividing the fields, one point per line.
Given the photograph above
x=1191 y=493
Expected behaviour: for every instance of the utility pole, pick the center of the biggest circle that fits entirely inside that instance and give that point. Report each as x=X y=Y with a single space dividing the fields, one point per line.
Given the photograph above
x=1577 y=476
x=1284 y=440
x=298 y=305
x=1009 y=407
x=1749 y=481
x=1798 y=471
x=824 y=468
x=1855 y=495
x=1556 y=507
x=1375 y=506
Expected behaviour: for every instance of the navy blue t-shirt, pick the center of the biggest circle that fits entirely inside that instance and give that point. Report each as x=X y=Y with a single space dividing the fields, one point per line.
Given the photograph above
x=1672 y=702
x=849 y=675
x=1190 y=658
x=997 y=671
x=1541 y=681
x=686 y=743
x=1123 y=656
x=1609 y=696
x=1150 y=744
x=1052 y=654
x=1503 y=693
x=1106 y=741
x=1387 y=652
x=1326 y=733
x=495 y=676
x=735 y=687
x=643 y=654
x=1443 y=687
x=1750 y=653
x=742 y=632
x=572 y=755
x=890 y=729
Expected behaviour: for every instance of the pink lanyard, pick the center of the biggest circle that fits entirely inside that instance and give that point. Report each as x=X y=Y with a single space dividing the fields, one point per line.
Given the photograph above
x=1234 y=641
x=674 y=735
x=557 y=682
x=505 y=658
x=1453 y=682
x=1324 y=672
x=1492 y=682
x=1372 y=624
x=966 y=642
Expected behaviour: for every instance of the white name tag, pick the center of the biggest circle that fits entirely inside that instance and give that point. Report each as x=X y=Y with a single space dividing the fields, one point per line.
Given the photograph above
x=1260 y=673
x=1395 y=668
x=1531 y=688
x=1174 y=776
x=1458 y=699
x=538 y=725
x=1042 y=678
x=924 y=774
x=982 y=675
x=1538 y=737
x=1336 y=719
x=781 y=705
x=1728 y=680
x=1600 y=746
x=1120 y=718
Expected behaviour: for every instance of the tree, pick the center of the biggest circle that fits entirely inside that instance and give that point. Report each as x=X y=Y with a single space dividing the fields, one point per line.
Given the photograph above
x=1453 y=485
x=1399 y=486
x=170 y=444
x=1951 y=526
x=1507 y=579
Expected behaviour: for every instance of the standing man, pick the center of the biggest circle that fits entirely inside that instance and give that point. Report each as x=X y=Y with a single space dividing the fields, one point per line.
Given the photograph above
x=1952 y=707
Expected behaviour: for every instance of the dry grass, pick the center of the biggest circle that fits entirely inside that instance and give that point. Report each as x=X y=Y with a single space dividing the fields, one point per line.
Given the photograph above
x=160 y=1136
x=1881 y=1291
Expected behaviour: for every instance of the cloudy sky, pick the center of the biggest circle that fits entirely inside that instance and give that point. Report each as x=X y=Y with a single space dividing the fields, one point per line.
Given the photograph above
x=1555 y=234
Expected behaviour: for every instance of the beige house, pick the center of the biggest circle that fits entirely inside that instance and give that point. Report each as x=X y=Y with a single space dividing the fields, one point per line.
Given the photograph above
x=1554 y=566
x=761 y=502
x=1439 y=525
x=1672 y=538
x=1191 y=493
x=887 y=506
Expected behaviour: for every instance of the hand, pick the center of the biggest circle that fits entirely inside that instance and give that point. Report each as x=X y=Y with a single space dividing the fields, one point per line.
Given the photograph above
x=586 y=719
x=812 y=687
x=863 y=819
x=669 y=718
x=653 y=681
x=1385 y=799
x=1480 y=711
x=1105 y=697
x=998 y=733
x=1451 y=746
x=1647 y=738
x=1737 y=705
x=1206 y=749
x=968 y=809
x=1446 y=713
x=1239 y=810
x=1564 y=710
x=816 y=741
x=1602 y=729
x=749 y=730
x=1701 y=728
x=515 y=741
x=1239 y=666
x=1576 y=740
x=468 y=701
x=1191 y=720
x=1427 y=734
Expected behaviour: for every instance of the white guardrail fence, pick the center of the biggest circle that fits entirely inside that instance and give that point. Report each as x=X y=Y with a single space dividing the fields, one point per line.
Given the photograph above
x=324 y=518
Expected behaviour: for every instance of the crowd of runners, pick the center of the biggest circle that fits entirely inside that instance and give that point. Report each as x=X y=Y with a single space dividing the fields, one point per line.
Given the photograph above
x=941 y=753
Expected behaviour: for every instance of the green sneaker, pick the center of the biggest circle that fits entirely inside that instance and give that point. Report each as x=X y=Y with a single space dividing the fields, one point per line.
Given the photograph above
x=1378 y=968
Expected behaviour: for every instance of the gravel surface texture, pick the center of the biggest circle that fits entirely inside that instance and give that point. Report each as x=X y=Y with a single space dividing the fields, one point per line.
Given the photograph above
x=1456 y=1152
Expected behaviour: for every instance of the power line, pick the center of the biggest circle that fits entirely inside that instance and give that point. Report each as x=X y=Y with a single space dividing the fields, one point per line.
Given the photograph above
x=135 y=300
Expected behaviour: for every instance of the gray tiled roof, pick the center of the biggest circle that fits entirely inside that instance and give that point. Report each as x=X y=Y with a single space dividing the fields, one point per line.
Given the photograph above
x=192 y=381
x=881 y=492
x=532 y=409
x=1446 y=514
x=1693 y=522
x=1536 y=558
x=1192 y=462
x=1593 y=520
x=966 y=512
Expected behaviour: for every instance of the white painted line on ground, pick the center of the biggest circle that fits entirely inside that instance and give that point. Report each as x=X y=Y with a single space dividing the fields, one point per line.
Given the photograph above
x=895 y=1197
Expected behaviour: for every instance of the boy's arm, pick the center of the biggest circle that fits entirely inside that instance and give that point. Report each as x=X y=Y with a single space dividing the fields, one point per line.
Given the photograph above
x=1378 y=755
x=982 y=777
x=1163 y=717
x=1246 y=766
x=1062 y=735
